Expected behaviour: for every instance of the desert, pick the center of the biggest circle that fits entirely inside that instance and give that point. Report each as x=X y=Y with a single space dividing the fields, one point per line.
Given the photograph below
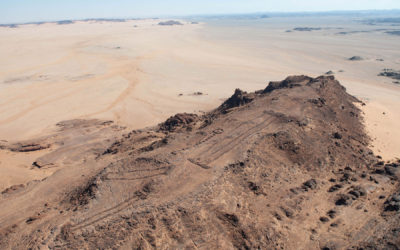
x=233 y=132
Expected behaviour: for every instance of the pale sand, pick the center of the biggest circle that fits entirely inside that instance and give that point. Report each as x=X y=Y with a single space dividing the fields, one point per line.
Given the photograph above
x=16 y=168
x=50 y=73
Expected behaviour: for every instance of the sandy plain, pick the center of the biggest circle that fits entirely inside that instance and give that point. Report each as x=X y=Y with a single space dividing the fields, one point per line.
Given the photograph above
x=138 y=73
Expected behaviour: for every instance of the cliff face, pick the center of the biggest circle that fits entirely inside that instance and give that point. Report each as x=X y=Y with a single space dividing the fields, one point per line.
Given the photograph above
x=285 y=167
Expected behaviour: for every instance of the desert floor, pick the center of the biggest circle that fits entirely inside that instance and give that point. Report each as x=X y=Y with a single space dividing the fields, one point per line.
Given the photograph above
x=138 y=73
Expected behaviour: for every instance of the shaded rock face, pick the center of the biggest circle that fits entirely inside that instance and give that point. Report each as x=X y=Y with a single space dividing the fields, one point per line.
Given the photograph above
x=239 y=98
x=280 y=168
x=179 y=121
x=290 y=82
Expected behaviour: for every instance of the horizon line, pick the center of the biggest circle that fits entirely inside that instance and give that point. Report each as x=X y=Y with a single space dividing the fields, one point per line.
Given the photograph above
x=122 y=19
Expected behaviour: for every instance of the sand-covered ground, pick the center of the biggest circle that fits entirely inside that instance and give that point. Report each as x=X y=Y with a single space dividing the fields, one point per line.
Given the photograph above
x=138 y=73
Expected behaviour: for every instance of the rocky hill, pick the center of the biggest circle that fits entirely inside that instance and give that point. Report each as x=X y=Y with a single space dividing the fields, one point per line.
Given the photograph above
x=287 y=167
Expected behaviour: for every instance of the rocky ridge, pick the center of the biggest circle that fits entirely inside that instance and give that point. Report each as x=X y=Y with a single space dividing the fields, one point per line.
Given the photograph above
x=287 y=167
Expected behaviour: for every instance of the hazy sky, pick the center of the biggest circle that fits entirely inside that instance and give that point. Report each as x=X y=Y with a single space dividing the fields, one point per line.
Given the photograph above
x=41 y=10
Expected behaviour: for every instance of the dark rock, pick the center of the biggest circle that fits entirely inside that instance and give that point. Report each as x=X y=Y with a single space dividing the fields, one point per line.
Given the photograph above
x=182 y=120
x=82 y=195
x=330 y=246
x=289 y=82
x=332 y=213
x=348 y=169
x=30 y=220
x=389 y=170
x=345 y=177
x=355 y=58
x=390 y=73
x=310 y=184
x=396 y=198
x=256 y=189
x=393 y=164
x=335 y=188
x=277 y=216
x=393 y=203
x=336 y=135
x=392 y=206
x=358 y=191
x=320 y=102
x=324 y=219
x=36 y=164
x=288 y=212
x=343 y=200
x=232 y=218
x=28 y=147
x=239 y=98
x=355 y=193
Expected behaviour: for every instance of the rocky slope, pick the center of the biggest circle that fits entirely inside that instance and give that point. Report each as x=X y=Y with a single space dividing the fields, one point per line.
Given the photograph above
x=287 y=167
